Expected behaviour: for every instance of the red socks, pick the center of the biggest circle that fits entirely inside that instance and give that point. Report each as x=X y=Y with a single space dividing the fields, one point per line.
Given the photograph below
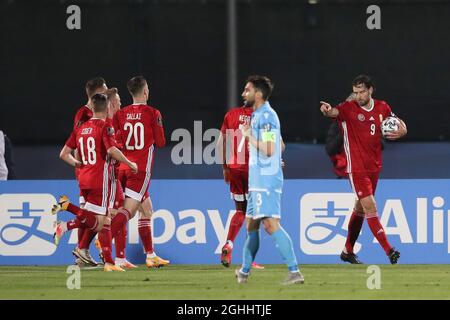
x=235 y=225
x=88 y=236
x=119 y=220
x=145 y=232
x=104 y=236
x=120 y=241
x=87 y=218
x=354 y=228
x=73 y=224
x=378 y=231
x=80 y=234
x=74 y=209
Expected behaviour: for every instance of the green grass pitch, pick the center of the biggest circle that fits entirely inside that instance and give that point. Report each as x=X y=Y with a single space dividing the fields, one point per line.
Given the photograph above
x=216 y=282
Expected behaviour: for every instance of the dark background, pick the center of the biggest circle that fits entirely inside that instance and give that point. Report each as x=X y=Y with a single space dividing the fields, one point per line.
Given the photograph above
x=311 y=52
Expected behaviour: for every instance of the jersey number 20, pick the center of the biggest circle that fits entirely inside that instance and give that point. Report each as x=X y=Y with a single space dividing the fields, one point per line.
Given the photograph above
x=136 y=131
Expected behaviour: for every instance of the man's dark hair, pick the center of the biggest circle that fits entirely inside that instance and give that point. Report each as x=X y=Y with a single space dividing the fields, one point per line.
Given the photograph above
x=99 y=102
x=136 y=84
x=363 y=79
x=263 y=84
x=93 y=85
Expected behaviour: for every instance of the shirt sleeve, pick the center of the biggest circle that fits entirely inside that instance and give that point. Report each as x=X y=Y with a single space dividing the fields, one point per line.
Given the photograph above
x=158 y=129
x=72 y=140
x=224 y=127
x=268 y=127
x=78 y=120
x=343 y=111
x=108 y=136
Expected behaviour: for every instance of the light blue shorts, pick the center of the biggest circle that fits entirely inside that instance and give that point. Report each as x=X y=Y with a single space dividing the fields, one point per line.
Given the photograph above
x=263 y=204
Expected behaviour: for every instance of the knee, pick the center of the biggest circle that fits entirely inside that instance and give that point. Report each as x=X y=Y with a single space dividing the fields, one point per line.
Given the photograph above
x=101 y=223
x=270 y=228
x=147 y=214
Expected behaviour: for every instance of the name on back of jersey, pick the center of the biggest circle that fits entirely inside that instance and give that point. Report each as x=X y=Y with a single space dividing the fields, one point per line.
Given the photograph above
x=86 y=131
x=134 y=116
x=244 y=119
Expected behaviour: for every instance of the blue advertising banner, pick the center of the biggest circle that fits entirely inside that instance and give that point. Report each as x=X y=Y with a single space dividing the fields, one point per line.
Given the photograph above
x=191 y=220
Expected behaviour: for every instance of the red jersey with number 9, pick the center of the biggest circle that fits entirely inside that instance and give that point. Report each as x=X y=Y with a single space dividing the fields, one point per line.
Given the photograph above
x=236 y=148
x=362 y=134
x=93 y=139
x=140 y=127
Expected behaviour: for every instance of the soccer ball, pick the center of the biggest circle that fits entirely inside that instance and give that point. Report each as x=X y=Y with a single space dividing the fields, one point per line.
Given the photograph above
x=390 y=124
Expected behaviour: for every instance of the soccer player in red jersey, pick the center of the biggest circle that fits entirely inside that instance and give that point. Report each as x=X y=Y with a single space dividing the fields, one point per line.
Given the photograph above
x=141 y=129
x=145 y=209
x=85 y=236
x=234 y=150
x=96 y=143
x=360 y=122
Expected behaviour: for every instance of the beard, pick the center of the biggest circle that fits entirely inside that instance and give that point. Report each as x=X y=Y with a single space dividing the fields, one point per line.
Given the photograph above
x=249 y=103
x=363 y=103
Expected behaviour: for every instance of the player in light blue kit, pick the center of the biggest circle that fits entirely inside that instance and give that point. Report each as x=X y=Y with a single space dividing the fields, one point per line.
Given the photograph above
x=265 y=180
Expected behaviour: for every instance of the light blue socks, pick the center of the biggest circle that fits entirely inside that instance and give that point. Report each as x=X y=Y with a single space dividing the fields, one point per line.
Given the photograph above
x=283 y=243
x=251 y=247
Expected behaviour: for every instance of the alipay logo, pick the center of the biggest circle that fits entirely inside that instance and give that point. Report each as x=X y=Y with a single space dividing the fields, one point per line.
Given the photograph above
x=26 y=226
x=324 y=222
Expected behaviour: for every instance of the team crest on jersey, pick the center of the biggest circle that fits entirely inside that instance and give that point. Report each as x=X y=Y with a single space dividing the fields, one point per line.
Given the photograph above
x=361 y=117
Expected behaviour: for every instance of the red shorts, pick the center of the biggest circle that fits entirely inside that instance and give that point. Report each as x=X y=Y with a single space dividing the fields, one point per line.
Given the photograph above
x=135 y=185
x=116 y=196
x=96 y=200
x=239 y=184
x=364 y=184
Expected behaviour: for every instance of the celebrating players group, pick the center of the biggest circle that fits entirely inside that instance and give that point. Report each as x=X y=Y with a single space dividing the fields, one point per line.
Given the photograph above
x=112 y=149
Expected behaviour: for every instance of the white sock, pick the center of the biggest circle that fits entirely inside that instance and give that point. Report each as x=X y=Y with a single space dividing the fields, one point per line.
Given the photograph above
x=230 y=243
x=151 y=255
x=120 y=260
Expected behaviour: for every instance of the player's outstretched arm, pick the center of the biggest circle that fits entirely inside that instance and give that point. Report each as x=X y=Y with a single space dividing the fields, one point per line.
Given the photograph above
x=401 y=132
x=66 y=156
x=327 y=110
x=119 y=156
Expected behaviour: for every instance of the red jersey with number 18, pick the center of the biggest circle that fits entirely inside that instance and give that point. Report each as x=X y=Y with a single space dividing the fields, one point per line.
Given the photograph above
x=93 y=138
x=140 y=127
x=237 y=156
x=362 y=134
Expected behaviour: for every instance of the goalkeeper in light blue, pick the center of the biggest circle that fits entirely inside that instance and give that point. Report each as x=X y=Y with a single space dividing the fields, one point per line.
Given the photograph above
x=265 y=180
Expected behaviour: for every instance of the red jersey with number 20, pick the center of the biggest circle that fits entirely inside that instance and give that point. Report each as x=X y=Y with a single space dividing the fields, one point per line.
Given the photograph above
x=362 y=134
x=93 y=138
x=140 y=127
x=232 y=123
